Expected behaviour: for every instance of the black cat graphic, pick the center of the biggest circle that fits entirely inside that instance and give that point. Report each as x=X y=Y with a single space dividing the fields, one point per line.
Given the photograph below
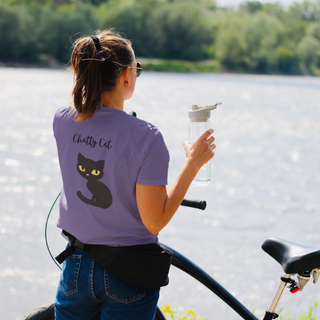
x=93 y=171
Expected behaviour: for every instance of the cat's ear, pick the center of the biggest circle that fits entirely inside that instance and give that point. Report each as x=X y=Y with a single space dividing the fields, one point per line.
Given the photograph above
x=100 y=164
x=80 y=157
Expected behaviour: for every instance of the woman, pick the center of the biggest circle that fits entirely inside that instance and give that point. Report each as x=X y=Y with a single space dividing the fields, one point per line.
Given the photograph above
x=114 y=196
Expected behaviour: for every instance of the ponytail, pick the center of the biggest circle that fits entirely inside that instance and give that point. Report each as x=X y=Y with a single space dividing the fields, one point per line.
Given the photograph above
x=97 y=62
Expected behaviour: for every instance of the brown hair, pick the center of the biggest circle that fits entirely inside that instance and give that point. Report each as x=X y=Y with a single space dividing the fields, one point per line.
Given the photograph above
x=97 y=68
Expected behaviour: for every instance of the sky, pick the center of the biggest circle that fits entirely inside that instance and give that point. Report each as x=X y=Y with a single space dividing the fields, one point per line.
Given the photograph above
x=224 y=3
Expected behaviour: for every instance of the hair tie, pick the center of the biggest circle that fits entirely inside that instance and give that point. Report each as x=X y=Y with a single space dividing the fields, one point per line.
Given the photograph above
x=96 y=42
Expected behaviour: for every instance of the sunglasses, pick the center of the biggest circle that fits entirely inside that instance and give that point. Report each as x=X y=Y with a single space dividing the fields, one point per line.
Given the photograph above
x=139 y=68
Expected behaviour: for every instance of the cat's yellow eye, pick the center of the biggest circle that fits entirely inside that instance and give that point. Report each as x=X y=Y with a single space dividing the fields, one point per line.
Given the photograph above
x=95 y=172
x=81 y=168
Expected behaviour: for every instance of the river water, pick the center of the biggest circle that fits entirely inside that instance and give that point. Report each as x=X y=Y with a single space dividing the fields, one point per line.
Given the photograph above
x=265 y=183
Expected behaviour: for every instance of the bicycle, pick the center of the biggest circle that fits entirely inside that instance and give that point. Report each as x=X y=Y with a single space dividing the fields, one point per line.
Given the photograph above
x=294 y=259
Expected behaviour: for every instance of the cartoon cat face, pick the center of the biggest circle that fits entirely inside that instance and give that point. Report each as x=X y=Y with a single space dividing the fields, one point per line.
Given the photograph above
x=90 y=169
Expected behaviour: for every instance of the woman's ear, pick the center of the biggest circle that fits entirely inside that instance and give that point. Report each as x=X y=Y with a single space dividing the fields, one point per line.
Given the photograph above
x=126 y=76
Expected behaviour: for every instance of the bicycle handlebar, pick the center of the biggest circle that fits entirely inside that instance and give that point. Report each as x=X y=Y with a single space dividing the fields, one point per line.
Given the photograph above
x=198 y=204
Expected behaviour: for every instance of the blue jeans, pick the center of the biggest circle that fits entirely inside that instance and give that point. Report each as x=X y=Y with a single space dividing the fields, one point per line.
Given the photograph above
x=88 y=292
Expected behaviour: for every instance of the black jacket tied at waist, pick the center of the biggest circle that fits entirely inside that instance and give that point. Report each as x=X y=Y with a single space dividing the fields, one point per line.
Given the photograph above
x=144 y=265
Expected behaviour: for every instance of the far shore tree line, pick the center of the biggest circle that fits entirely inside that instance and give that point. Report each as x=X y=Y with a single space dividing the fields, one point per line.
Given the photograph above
x=255 y=37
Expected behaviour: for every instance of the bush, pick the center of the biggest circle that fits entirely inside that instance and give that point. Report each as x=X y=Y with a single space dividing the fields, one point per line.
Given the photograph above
x=287 y=61
x=179 y=65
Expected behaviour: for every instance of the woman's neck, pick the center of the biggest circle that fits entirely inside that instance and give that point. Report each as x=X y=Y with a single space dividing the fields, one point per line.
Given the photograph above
x=112 y=99
x=122 y=91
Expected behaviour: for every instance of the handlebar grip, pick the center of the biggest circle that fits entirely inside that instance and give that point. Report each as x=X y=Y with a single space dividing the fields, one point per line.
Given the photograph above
x=198 y=204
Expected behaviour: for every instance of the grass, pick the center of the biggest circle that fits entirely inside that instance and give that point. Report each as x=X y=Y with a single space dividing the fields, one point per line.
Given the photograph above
x=311 y=314
x=208 y=66
x=284 y=314
x=173 y=315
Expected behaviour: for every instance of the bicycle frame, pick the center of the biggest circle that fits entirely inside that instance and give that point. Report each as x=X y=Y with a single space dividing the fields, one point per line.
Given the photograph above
x=184 y=264
x=196 y=272
x=179 y=261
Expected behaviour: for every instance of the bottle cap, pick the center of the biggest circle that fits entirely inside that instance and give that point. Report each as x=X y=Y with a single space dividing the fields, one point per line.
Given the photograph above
x=198 y=113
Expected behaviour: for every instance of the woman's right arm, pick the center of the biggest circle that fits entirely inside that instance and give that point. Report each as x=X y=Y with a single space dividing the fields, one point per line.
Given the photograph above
x=157 y=204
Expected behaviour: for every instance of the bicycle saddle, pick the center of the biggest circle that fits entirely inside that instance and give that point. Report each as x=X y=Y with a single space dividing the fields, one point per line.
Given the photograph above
x=294 y=258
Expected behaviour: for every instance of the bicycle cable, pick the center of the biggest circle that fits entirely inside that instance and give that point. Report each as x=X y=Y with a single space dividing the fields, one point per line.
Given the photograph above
x=46 y=229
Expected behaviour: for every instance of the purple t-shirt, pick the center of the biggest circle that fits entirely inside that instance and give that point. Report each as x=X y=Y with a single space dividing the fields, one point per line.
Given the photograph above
x=101 y=160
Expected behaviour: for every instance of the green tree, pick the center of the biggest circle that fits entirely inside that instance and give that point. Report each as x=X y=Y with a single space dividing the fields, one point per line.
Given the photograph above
x=307 y=10
x=274 y=9
x=178 y=30
x=29 y=19
x=58 y=29
x=135 y=19
x=264 y=38
x=10 y=37
x=185 y=31
x=313 y=30
x=263 y=35
x=230 y=44
x=294 y=31
x=251 y=6
x=309 y=54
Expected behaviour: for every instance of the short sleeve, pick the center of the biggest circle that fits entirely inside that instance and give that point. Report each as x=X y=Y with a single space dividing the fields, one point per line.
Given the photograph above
x=154 y=167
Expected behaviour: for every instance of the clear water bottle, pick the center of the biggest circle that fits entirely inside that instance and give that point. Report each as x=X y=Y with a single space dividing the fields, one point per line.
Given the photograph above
x=199 y=123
